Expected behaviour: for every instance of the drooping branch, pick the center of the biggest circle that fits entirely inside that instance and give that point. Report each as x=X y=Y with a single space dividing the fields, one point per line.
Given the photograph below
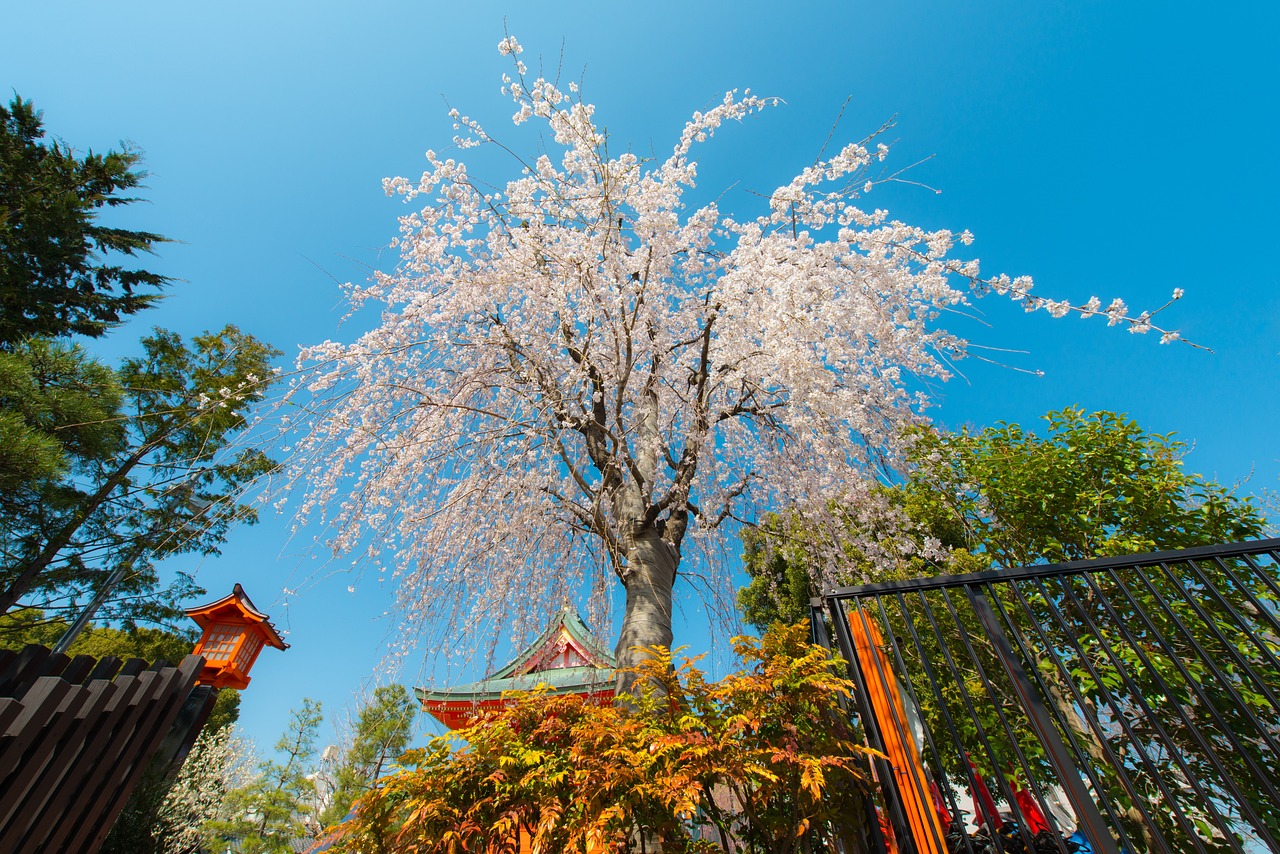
x=604 y=356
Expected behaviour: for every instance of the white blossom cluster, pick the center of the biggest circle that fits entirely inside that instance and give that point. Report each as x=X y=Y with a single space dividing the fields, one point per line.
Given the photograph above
x=580 y=352
x=218 y=762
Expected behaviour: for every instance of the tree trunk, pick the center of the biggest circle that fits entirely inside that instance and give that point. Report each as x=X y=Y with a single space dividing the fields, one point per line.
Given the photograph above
x=648 y=578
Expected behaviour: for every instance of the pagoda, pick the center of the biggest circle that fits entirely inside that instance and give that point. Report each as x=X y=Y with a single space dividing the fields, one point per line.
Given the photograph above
x=566 y=658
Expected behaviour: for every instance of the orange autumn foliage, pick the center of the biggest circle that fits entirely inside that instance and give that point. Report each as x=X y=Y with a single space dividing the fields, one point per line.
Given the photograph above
x=760 y=761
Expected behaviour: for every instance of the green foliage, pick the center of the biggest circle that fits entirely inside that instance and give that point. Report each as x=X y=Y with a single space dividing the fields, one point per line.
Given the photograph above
x=382 y=733
x=763 y=758
x=60 y=270
x=164 y=480
x=19 y=628
x=278 y=805
x=1093 y=485
x=55 y=403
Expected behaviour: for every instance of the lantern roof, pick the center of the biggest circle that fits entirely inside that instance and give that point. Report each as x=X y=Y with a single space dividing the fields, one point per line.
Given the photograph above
x=236 y=607
x=566 y=658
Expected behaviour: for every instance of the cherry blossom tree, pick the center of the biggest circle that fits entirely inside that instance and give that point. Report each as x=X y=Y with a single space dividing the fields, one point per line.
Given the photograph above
x=581 y=374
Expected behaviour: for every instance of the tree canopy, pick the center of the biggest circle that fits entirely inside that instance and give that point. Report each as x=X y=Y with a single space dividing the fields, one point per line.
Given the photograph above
x=1092 y=484
x=161 y=477
x=62 y=271
x=383 y=728
x=277 y=806
x=58 y=407
x=617 y=372
x=104 y=471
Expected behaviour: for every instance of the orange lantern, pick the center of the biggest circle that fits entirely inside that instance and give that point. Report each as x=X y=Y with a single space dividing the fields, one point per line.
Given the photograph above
x=234 y=634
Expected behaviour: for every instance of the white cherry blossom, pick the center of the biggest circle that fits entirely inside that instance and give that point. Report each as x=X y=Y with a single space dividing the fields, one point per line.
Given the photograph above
x=581 y=375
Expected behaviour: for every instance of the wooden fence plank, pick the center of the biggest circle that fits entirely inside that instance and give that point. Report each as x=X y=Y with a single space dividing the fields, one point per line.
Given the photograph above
x=80 y=754
x=82 y=802
x=45 y=751
x=151 y=731
x=79 y=669
x=40 y=703
x=163 y=706
x=64 y=810
x=106 y=668
x=84 y=780
x=23 y=670
x=74 y=743
x=9 y=709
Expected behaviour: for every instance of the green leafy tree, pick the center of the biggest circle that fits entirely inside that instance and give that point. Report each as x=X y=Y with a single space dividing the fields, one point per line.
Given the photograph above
x=1093 y=485
x=277 y=806
x=61 y=270
x=56 y=405
x=382 y=733
x=171 y=483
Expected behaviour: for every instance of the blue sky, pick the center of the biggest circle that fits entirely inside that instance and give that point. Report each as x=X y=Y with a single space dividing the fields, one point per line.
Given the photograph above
x=1117 y=149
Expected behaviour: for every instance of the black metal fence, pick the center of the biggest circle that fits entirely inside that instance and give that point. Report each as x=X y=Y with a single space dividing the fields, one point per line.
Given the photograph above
x=1128 y=703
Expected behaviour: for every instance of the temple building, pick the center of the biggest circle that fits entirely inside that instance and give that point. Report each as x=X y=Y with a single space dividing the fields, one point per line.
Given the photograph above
x=565 y=657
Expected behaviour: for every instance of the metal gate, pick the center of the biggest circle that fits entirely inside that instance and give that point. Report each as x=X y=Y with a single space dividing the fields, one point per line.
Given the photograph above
x=1127 y=703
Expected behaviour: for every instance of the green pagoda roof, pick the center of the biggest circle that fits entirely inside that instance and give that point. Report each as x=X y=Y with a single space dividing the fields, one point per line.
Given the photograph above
x=566 y=658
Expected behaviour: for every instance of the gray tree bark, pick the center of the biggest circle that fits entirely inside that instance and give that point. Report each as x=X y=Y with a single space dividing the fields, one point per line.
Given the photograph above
x=649 y=578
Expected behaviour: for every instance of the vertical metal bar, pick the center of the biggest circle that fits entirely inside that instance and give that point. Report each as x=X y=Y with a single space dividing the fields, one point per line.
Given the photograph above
x=1222 y=680
x=1262 y=573
x=1210 y=753
x=904 y=736
x=940 y=768
x=1009 y=795
x=1263 y=611
x=942 y=705
x=1231 y=652
x=1137 y=799
x=1239 y=620
x=888 y=787
x=978 y=805
x=1042 y=803
x=1210 y=716
x=1157 y=776
x=818 y=629
x=1058 y=716
x=1139 y=698
x=1195 y=684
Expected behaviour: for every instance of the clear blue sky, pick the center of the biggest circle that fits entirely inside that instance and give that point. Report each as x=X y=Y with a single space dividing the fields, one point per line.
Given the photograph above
x=1121 y=149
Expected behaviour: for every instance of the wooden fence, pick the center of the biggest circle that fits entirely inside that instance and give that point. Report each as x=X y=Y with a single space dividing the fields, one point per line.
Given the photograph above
x=76 y=735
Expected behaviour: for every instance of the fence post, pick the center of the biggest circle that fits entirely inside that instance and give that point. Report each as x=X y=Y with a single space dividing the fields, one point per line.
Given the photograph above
x=1090 y=820
x=818 y=629
x=884 y=770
